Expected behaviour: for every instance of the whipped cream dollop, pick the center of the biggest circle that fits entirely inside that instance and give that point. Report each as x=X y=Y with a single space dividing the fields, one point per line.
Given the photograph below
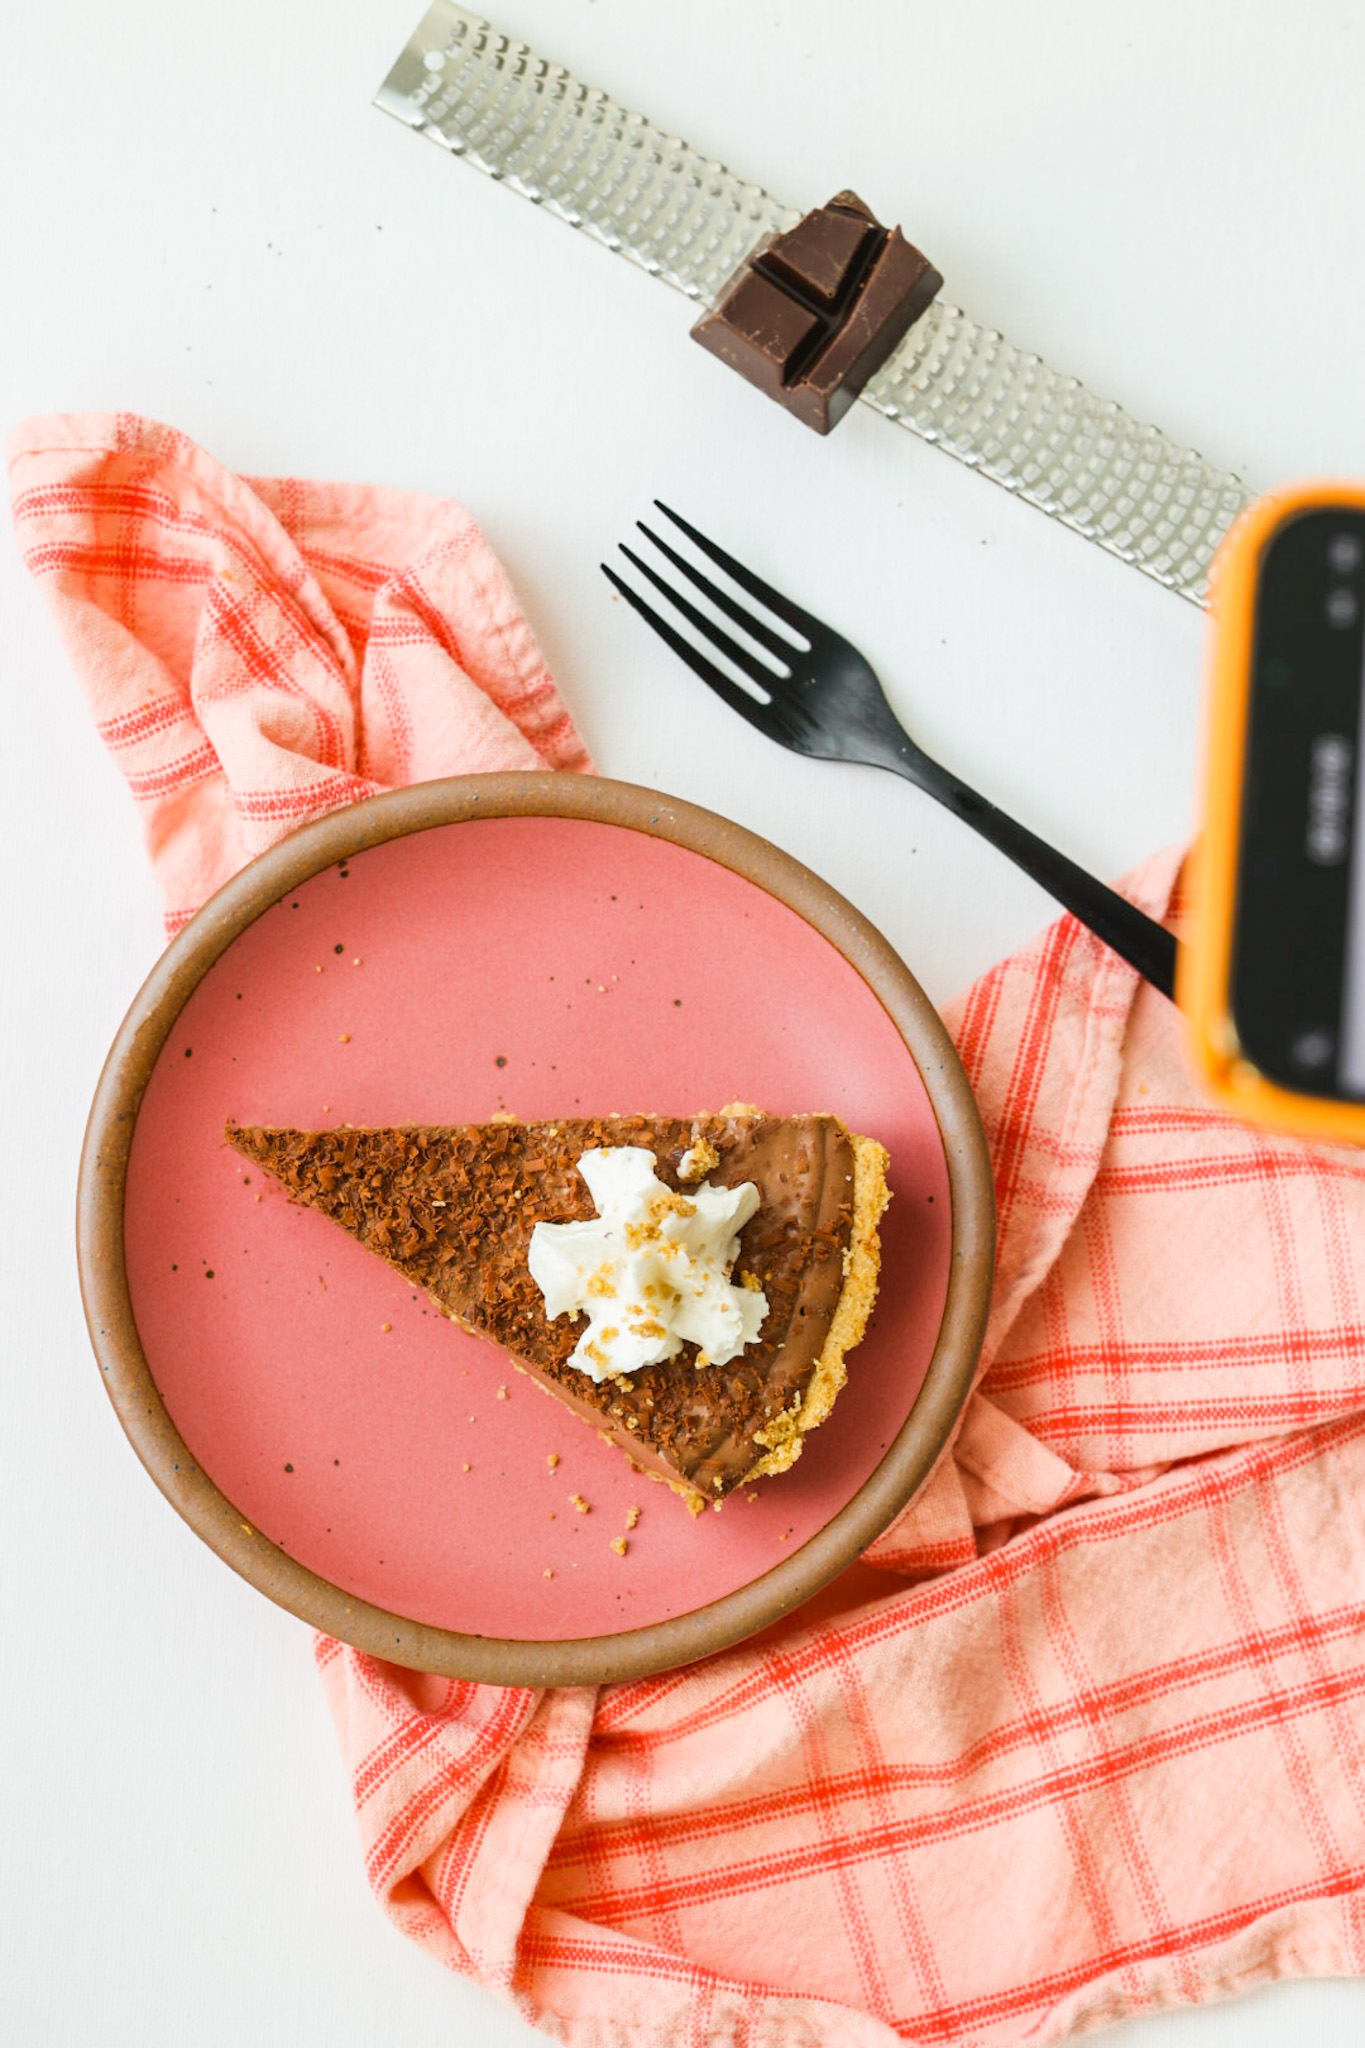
x=652 y=1271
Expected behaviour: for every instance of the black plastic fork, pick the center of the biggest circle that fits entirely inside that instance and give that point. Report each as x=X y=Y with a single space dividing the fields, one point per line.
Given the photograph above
x=827 y=703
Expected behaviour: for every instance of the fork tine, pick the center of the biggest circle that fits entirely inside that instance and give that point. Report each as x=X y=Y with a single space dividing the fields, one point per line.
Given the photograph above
x=776 y=643
x=730 y=692
x=758 y=671
x=782 y=607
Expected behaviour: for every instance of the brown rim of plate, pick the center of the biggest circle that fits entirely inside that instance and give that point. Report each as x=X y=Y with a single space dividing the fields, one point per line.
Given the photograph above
x=109 y=1311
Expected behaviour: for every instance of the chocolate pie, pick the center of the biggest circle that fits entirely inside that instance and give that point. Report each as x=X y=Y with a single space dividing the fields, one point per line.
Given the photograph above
x=452 y=1207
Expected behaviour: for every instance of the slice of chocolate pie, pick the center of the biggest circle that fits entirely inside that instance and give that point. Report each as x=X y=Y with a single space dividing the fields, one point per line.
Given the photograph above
x=454 y=1207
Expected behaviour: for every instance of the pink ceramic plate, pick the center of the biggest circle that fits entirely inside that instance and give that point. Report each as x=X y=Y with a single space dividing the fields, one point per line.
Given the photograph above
x=550 y=946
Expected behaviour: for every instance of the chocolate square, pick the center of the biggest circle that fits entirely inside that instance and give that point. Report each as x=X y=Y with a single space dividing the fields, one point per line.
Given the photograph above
x=815 y=311
x=818 y=254
x=764 y=331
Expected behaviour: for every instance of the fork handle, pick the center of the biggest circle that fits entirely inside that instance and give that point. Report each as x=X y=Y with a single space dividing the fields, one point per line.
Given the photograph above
x=1126 y=930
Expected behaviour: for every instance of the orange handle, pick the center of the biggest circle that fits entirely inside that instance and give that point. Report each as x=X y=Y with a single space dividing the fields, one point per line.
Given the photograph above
x=1204 y=965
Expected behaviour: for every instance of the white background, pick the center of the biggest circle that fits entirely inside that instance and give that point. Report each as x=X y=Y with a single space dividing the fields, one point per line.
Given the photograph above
x=204 y=220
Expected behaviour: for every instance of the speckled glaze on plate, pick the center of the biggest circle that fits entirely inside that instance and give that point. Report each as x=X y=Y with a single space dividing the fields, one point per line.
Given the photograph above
x=548 y=945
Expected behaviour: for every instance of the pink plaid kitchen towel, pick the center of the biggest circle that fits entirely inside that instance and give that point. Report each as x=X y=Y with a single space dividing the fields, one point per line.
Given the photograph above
x=1085 y=1733
x=258 y=651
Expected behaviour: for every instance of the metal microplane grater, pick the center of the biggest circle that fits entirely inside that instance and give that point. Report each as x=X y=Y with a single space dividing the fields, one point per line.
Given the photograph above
x=487 y=98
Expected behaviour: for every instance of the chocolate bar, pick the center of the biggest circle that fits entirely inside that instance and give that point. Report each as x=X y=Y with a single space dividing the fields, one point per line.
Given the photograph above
x=812 y=313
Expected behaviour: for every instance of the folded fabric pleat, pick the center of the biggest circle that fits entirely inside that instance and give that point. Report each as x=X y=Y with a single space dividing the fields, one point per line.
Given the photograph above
x=258 y=651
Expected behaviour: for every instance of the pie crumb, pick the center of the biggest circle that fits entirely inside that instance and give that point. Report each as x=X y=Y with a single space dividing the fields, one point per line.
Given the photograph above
x=619 y=1545
x=699 y=1158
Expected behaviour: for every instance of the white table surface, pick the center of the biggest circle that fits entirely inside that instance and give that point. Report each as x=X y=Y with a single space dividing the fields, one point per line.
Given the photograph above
x=203 y=219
